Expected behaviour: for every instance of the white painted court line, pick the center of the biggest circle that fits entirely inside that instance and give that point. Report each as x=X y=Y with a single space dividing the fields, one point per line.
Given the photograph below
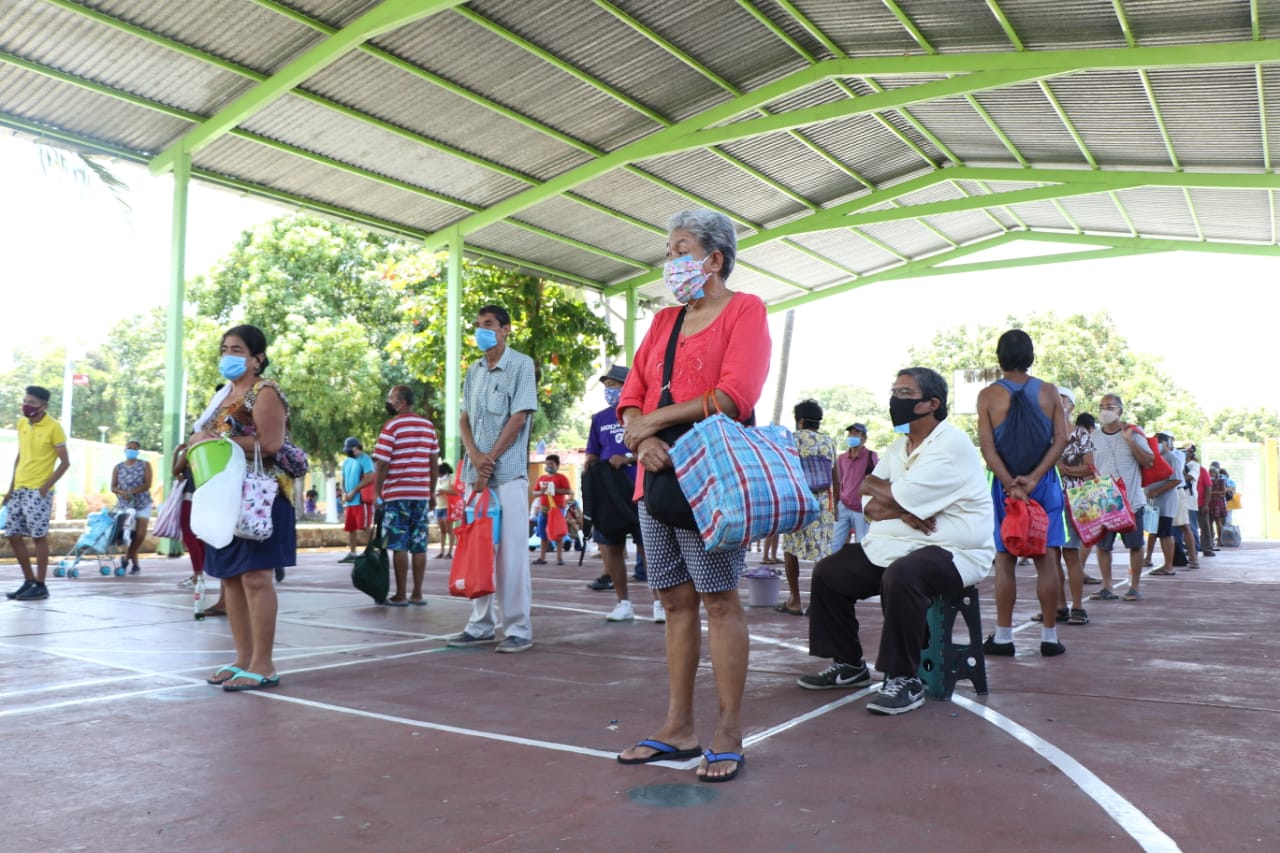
x=1130 y=819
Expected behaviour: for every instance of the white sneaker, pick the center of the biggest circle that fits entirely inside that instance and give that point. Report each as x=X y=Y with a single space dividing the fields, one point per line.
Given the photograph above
x=659 y=615
x=622 y=613
x=187 y=583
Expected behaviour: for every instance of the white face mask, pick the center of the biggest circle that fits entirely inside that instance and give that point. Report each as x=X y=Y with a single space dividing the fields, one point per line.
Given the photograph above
x=1108 y=417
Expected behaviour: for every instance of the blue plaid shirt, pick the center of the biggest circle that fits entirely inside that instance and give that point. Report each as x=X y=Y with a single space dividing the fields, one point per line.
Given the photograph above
x=490 y=396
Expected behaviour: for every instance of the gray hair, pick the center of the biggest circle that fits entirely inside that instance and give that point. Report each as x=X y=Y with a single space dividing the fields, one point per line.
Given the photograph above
x=931 y=385
x=1115 y=397
x=713 y=231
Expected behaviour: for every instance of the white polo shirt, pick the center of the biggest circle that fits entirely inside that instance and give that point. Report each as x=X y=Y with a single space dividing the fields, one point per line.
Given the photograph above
x=942 y=479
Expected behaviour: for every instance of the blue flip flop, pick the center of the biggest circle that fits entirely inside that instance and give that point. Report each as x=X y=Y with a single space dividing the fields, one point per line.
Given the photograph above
x=262 y=682
x=421 y=602
x=390 y=603
x=714 y=757
x=665 y=752
x=215 y=681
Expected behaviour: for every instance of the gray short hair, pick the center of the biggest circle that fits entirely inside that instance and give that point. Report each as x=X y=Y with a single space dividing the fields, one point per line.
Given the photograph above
x=713 y=231
x=931 y=385
x=1115 y=397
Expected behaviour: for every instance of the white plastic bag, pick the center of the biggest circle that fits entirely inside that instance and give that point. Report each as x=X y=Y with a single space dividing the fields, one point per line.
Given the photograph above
x=215 y=507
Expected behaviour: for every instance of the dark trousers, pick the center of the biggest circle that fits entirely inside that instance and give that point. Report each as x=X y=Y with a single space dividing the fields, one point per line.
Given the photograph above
x=906 y=588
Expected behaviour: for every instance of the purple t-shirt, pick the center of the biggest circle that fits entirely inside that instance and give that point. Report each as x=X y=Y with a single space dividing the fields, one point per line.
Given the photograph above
x=605 y=438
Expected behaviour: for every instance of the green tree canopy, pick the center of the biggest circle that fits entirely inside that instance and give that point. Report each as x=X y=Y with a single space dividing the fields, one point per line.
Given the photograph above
x=551 y=323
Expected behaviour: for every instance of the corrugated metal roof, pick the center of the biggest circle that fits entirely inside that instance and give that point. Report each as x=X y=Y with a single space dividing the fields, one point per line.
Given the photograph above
x=846 y=139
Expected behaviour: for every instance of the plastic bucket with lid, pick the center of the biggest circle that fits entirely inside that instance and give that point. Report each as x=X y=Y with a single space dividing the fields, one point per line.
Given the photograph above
x=208 y=458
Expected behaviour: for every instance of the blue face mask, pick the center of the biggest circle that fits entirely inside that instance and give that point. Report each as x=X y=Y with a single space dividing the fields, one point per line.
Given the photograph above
x=612 y=396
x=131 y=454
x=902 y=428
x=232 y=366
x=853 y=441
x=486 y=339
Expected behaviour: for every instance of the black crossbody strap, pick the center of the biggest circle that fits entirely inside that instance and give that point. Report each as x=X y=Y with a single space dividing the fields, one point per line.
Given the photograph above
x=668 y=360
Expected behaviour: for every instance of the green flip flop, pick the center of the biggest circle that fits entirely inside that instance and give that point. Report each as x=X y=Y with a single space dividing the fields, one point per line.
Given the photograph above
x=215 y=681
x=261 y=682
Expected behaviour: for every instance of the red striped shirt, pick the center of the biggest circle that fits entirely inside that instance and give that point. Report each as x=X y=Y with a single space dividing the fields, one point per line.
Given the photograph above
x=408 y=445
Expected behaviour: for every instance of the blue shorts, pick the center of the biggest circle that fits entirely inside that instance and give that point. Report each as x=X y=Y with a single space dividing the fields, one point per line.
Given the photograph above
x=405 y=524
x=1047 y=493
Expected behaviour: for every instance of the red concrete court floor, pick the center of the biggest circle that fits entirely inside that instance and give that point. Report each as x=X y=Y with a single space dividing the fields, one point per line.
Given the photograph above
x=1158 y=730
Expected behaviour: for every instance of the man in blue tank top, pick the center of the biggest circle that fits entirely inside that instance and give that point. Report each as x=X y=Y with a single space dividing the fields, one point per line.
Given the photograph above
x=1022 y=430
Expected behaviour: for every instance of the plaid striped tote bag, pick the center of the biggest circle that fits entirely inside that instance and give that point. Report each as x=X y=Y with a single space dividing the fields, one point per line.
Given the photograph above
x=743 y=483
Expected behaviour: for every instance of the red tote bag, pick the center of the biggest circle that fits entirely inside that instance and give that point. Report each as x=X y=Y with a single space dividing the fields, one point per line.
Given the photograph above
x=1025 y=529
x=557 y=527
x=471 y=575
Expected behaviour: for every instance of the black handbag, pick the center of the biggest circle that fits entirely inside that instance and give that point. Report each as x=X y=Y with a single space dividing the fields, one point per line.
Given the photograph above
x=371 y=571
x=663 y=497
x=606 y=500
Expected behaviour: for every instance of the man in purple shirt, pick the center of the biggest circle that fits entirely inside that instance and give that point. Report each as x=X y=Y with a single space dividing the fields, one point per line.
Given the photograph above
x=605 y=447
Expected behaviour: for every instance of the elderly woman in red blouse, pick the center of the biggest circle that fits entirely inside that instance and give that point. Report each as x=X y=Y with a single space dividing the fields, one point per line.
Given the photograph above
x=721 y=349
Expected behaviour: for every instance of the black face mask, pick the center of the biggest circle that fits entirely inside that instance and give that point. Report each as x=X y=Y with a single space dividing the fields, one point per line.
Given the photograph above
x=902 y=411
x=350 y=453
x=391 y=410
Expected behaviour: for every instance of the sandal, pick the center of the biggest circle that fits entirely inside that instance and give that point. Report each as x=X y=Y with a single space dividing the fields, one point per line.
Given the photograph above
x=1133 y=595
x=1163 y=573
x=231 y=670
x=1146 y=564
x=1191 y=567
x=1104 y=594
x=1078 y=616
x=781 y=607
x=1063 y=614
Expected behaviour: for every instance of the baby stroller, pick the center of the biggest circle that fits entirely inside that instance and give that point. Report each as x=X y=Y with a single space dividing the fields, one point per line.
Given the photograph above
x=104 y=530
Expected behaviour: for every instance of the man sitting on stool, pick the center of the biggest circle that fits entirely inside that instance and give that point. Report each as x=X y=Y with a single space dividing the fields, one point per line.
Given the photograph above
x=930 y=534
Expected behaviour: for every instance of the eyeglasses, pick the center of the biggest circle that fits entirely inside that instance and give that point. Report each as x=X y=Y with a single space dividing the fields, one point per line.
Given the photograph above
x=1110 y=408
x=905 y=393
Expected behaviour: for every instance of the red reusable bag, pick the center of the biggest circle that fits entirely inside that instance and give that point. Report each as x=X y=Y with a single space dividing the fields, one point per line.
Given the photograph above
x=1160 y=470
x=1025 y=529
x=471 y=575
x=557 y=527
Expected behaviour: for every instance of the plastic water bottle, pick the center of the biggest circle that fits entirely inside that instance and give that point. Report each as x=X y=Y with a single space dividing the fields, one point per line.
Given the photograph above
x=198 y=597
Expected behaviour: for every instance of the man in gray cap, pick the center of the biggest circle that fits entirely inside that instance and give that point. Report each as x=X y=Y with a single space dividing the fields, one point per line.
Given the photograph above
x=356 y=493
x=612 y=515
x=852 y=467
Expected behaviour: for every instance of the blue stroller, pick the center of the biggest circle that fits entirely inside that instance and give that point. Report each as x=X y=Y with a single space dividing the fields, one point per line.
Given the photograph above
x=98 y=542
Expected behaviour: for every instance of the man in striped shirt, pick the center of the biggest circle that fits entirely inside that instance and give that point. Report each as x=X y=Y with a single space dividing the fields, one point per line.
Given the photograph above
x=405 y=481
x=499 y=395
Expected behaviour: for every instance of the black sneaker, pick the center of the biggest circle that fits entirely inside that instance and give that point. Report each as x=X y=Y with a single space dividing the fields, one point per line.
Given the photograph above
x=836 y=675
x=465 y=640
x=1049 y=650
x=35 y=592
x=26 y=585
x=991 y=647
x=136 y=570
x=602 y=582
x=898 y=696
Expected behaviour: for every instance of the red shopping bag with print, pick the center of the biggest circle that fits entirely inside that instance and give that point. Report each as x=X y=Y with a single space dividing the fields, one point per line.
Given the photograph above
x=471 y=575
x=456 y=507
x=1025 y=529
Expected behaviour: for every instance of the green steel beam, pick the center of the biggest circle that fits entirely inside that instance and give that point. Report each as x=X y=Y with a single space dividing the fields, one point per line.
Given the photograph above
x=1000 y=199
x=819 y=257
x=386 y=16
x=1123 y=20
x=629 y=327
x=1062 y=211
x=880 y=244
x=1124 y=213
x=453 y=350
x=995 y=220
x=1191 y=209
x=1271 y=209
x=1255 y=26
x=1159 y=117
x=909 y=26
x=778 y=32
x=809 y=27
x=1150 y=244
x=1030 y=64
x=1068 y=124
x=995 y=128
x=174 y=411
x=1005 y=24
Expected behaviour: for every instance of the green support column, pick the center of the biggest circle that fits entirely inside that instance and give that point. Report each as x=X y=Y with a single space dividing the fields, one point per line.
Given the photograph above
x=174 y=408
x=453 y=349
x=629 y=330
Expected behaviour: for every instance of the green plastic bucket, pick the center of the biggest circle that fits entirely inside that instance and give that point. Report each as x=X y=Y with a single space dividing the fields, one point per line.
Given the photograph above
x=208 y=458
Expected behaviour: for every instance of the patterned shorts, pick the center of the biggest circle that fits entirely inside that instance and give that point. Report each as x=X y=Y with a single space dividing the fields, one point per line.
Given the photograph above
x=405 y=524
x=675 y=556
x=29 y=514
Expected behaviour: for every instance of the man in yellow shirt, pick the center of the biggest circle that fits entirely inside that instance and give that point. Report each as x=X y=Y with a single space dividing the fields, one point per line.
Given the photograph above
x=41 y=444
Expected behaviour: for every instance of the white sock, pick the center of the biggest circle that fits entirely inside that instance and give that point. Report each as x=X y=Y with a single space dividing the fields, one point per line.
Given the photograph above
x=1004 y=635
x=1048 y=635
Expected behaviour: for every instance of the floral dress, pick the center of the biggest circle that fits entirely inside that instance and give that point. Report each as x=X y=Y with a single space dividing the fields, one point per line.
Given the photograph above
x=813 y=542
x=130 y=477
x=280 y=549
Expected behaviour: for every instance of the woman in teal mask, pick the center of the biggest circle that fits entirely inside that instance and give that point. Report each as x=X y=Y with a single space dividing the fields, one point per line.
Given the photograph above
x=131 y=484
x=251 y=410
